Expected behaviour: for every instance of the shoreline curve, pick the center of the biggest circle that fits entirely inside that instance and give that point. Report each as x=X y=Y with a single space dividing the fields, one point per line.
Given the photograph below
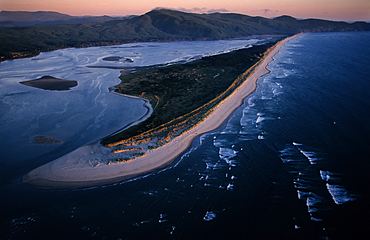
x=77 y=170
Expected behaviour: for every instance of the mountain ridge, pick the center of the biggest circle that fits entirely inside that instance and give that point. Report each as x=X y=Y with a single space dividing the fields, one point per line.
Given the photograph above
x=20 y=16
x=48 y=18
x=157 y=25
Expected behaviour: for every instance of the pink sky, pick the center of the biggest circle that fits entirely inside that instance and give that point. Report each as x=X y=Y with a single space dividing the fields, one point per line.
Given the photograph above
x=346 y=10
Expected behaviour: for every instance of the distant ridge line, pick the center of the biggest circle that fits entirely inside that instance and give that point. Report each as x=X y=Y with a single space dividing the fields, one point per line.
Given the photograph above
x=156 y=25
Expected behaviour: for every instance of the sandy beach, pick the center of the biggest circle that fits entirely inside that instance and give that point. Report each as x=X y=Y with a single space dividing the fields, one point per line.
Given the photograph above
x=82 y=167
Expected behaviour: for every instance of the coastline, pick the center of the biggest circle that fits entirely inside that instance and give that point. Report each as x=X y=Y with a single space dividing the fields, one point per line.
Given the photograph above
x=81 y=168
x=149 y=110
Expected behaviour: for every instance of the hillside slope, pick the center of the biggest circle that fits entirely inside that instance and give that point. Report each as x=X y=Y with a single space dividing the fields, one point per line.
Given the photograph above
x=157 y=25
x=47 y=18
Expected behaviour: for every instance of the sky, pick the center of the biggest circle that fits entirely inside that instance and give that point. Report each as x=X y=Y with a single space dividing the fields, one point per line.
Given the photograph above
x=339 y=10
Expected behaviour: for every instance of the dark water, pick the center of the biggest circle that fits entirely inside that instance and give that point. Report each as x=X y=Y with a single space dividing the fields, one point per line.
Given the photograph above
x=291 y=163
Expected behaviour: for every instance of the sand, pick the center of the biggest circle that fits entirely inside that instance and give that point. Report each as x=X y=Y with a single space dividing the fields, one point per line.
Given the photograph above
x=85 y=166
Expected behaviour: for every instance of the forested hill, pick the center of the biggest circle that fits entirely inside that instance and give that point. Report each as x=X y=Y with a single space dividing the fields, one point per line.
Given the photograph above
x=157 y=25
x=48 y=18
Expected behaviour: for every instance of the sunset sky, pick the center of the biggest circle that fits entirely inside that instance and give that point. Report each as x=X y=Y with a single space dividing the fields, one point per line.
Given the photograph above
x=346 y=10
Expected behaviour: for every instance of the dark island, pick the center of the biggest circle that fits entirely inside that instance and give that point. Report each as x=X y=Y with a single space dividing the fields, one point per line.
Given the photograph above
x=45 y=140
x=51 y=83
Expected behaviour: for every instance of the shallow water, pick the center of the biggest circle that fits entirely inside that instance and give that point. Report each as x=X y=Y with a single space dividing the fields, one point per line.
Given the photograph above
x=86 y=113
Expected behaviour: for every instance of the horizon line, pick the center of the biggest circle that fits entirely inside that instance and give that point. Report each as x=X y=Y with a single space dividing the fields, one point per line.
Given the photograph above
x=183 y=11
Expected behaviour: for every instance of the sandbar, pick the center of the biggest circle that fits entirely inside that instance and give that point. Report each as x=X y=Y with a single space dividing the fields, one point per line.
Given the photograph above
x=85 y=166
x=45 y=140
x=117 y=58
x=51 y=83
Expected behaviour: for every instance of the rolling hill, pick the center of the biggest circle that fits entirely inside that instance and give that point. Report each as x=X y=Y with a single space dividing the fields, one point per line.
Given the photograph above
x=156 y=25
x=47 y=18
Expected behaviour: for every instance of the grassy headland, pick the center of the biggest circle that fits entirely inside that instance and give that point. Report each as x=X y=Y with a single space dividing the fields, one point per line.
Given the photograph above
x=95 y=164
x=183 y=94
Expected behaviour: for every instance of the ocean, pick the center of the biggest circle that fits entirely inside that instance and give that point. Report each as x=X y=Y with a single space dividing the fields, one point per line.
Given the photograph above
x=290 y=163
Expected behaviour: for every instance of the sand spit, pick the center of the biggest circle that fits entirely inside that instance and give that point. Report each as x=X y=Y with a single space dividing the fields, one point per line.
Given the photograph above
x=90 y=166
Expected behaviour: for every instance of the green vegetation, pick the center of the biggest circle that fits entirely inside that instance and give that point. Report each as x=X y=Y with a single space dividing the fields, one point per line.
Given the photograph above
x=183 y=94
x=157 y=25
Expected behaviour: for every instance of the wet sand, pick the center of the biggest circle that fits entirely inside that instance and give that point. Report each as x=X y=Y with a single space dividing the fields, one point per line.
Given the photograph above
x=82 y=167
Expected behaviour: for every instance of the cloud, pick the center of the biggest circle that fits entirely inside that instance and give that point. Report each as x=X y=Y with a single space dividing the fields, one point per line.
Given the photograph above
x=195 y=9
x=266 y=11
x=202 y=10
x=220 y=10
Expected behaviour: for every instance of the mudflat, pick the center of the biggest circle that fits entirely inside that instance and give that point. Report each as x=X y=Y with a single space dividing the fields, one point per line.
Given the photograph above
x=51 y=83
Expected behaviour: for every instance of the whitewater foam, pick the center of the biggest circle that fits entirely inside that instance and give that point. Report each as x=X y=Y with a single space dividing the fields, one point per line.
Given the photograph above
x=209 y=216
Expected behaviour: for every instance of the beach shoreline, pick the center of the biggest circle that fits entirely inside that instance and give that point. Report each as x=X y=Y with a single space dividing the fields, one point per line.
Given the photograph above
x=76 y=170
x=146 y=104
